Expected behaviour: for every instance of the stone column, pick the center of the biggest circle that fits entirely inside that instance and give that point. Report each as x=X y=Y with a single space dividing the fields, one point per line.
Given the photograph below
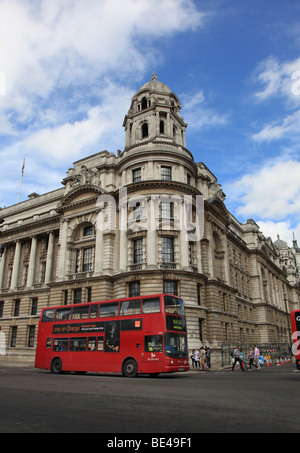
x=49 y=258
x=31 y=268
x=151 y=236
x=15 y=271
x=98 y=252
x=61 y=268
x=184 y=242
x=123 y=238
x=2 y=267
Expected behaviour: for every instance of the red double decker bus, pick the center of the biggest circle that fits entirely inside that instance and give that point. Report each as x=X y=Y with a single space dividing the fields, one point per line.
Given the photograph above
x=295 y=316
x=131 y=336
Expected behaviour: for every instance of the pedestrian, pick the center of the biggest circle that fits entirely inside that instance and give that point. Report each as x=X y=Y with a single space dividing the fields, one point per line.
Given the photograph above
x=244 y=365
x=208 y=356
x=256 y=357
x=237 y=358
x=251 y=359
x=197 y=358
x=193 y=358
x=203 y=360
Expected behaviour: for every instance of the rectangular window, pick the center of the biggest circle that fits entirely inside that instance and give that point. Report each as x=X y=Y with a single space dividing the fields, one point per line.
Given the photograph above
x=77 y=296
x=78 y=344
x=88 y=260
x=31 y=335
x=132 y=307
x=17 y=307
x=1 y=309
x=92 y=341
x=151 y=306
x=166 y=173
x=94 y=311
x=138 y=212
x=134 y=289
x=80 y=312
x=13 y=338
x=88 y=231
x=100 y=344
x=138 y=251
x=166 y=210
x=137 y=175
x=109 y=310
x=34 y=306
x=48 y=315
x=89 y=294
x=167 y=249
x=171 y=287
x=60 y=344
x=63 y=314
x=153 y=343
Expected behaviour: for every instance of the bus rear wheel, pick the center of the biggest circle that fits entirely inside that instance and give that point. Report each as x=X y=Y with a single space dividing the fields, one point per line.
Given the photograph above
x=130 y=368
x=56 y=366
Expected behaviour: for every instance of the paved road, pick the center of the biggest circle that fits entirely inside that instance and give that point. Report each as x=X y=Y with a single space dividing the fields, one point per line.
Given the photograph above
x=195 y=402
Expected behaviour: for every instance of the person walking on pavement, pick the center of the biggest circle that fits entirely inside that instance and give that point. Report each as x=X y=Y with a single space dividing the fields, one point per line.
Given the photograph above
x=237 y=358
x=197 y=358
x=256 y=357
x=208 y=356
x=251 y=359
x=193 y=358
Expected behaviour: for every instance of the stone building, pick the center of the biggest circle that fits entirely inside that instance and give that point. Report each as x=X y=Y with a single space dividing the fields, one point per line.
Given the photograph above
x=133 y=223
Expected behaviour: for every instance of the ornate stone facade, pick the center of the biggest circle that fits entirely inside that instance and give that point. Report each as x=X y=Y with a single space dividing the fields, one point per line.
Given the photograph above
x=125 y=224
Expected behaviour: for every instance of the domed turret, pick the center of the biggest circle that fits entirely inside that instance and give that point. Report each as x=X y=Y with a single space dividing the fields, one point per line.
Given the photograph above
x=280 y=245
x=154 y=115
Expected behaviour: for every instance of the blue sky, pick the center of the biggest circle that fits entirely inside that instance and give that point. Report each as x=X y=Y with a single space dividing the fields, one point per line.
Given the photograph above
x=68 y=70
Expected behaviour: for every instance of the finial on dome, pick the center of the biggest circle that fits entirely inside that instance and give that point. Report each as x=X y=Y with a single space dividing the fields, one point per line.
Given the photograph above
x=154 y=76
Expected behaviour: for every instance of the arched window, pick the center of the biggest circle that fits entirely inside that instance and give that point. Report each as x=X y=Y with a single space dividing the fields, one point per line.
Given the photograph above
x=162 y=127
x=145 y=131
x=144 y=103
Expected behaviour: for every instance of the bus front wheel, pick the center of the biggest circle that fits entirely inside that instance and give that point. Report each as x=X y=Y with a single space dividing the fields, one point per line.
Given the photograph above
x=56 y=366
x=130 y=368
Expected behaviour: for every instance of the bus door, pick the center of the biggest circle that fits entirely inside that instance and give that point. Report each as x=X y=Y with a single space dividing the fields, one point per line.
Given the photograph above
x=153 y=349
x=47 y=352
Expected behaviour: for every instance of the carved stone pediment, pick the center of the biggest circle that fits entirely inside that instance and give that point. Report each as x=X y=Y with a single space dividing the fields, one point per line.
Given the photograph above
x=81 y=195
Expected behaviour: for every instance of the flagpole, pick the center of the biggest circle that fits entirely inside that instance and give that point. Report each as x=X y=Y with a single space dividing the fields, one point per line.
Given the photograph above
x=23 y=167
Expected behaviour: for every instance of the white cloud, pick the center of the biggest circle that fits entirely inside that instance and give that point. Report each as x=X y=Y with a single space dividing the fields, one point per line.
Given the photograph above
x=283 y=229
x=198 y=114
x=49 y=44
x=279 y=80
x=289 y=128
x=271 y=193
x=69 y=67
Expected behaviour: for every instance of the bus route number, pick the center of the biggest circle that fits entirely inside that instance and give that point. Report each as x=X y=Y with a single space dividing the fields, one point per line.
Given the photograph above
x=171 y=442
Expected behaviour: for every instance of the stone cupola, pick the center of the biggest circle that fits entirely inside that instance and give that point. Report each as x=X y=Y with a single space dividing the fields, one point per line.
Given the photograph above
x=154 y=115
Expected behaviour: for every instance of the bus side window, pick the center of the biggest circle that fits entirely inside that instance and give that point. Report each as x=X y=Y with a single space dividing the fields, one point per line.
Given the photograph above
x=92 y=344
x=94 y=311
x=49 y=343
x=63 y=314
x=80 y=312
x=109 y=310
x=60 y=344
x=151 y=306
x=48 y=316
x=100 y=343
